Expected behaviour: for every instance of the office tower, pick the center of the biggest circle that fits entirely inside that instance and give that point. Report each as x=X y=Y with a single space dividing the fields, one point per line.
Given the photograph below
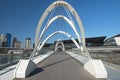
x=33 y=45
x=28 y=43
x=16 y=43
x=8 y=38
x=2 y=40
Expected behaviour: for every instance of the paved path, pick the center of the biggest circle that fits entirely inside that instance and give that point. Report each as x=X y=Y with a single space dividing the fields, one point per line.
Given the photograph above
x=60 y=66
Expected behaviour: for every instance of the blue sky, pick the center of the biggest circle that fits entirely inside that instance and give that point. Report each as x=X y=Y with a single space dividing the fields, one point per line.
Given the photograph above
x=20 y=17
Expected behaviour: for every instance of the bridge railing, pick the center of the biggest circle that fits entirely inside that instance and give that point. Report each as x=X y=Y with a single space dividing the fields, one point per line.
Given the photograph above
x=111 y=57
x=7 y=60
x=41 y=52
x=77 y=51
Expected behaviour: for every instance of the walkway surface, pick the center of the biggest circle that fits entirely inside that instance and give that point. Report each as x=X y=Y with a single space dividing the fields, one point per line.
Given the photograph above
x=59 y=66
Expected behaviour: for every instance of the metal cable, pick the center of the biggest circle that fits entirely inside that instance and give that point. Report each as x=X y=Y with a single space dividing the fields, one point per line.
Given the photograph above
x=38 y=44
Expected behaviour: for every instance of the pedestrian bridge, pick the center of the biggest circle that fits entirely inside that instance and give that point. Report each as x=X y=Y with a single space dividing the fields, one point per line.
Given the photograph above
x=60 y=65
x=55 y=65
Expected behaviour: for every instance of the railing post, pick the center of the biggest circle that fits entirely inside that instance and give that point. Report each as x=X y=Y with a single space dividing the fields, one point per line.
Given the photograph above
x=10 y=58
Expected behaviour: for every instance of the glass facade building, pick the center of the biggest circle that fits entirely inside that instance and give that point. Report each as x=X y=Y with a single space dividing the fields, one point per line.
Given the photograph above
x=8 y=38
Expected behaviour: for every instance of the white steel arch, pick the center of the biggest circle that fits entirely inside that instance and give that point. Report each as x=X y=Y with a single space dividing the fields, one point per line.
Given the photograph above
x=67 y=20
x=56 y=46
x=59 y=47
x=62 y=32
x=71 y=9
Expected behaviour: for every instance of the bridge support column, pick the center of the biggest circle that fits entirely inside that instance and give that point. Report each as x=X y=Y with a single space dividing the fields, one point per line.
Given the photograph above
x=24 y=68
x=96 y=68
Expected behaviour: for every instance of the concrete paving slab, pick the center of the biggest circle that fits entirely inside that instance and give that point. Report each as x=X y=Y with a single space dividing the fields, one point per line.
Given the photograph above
x=59 y=66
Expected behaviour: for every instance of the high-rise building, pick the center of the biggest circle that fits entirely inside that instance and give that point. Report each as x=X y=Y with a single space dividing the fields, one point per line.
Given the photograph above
x=28 y=43
x=16 y=43
x=8 y=38
x=2 y=40
x=33 y=45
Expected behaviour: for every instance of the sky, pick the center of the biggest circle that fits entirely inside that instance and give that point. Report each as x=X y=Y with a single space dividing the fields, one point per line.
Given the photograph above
x=21 y=17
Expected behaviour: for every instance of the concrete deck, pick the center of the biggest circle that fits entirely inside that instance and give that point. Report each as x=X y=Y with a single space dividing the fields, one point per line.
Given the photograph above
x=59 y=66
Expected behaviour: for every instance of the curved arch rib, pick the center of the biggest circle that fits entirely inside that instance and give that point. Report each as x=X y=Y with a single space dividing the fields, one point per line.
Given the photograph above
x=62 y=17
x=59 y=47
x=72 y=10
x=62 y=32
x=56 y=46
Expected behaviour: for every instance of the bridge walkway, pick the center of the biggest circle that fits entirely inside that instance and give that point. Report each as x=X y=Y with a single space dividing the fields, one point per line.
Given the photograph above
x=59 y=66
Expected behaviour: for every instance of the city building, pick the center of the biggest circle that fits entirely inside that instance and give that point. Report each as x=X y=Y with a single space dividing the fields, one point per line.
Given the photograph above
x=95 y=41
x=28 y=43
x=92 y=41
x=33 y=45
x=113 y=41
x=16 y=43
x=2 y=40
x=8 y=39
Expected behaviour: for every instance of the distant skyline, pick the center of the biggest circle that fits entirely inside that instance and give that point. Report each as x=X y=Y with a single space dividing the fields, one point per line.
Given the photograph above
x=20 y=17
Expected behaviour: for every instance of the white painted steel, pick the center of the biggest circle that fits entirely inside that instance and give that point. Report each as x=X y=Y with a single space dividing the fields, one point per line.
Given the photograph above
x=96 y=68
x=51 y=7
x=117 y=41
x=62 y=47
x=62 y=17
x=42 y=57
x=62 y=32
x=58 y=48
x=24 y=68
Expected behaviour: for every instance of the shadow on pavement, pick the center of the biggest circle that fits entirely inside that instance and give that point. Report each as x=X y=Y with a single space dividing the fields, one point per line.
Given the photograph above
x=36 y=71
x=56 y=62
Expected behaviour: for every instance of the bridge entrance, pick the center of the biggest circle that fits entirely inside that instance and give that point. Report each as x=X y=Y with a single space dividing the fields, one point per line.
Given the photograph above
x=54 y=13
x=46 y=32
x=59 y=46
